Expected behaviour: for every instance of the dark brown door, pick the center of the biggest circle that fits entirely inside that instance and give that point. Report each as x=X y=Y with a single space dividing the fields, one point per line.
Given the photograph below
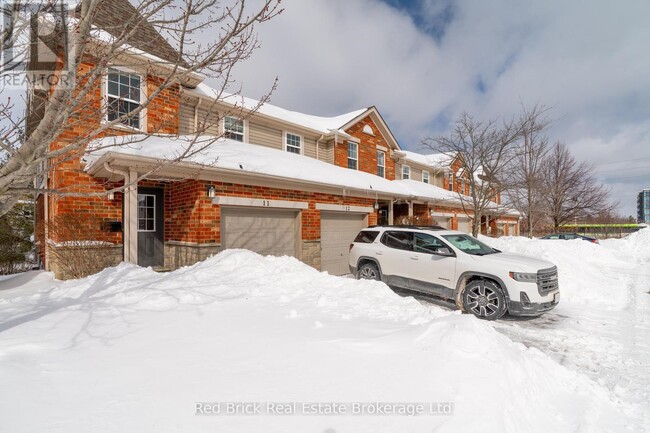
x=150 y=227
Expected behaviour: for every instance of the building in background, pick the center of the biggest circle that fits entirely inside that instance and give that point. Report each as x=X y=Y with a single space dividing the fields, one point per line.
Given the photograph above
x=643 y=206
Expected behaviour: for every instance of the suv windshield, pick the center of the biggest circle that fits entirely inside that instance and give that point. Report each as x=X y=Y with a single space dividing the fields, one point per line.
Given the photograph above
x=469 y=245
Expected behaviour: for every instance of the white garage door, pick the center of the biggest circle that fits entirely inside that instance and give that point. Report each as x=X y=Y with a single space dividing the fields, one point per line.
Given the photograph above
x=443 y=221
x=464 y=225
x=265 y=231
x=337 y=231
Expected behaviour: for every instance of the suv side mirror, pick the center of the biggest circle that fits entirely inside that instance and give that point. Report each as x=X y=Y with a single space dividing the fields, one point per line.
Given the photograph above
x=445 y=252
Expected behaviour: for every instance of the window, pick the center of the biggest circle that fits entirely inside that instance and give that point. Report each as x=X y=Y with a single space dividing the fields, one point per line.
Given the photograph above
x=123 y=93
x=425 y=176
x=146 y=213
x=428 y=244
x=366 y=237
x=398 y=240
x=406 y=172
x=293 y=143
x=451 y=181
x=470 y=245
x=353 y=155
x=233 y=128
x=381 y=164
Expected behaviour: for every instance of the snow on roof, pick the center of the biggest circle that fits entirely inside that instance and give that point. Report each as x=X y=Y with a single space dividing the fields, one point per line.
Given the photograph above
x=322 y=124
x=251 y=158
x=422 y=189
x=436 y=160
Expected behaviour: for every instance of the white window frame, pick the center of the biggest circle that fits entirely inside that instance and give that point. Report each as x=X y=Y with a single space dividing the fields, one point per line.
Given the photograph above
x=154 y=213
x=451 y=181
x=244 y=133
x=406 y=172
x=286 y=143
x=427 y=178
x=382 y=165
x=143 y=92
x=356 y=160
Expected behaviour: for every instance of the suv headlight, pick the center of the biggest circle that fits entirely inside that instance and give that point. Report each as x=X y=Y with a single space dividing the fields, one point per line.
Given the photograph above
x=524 y=277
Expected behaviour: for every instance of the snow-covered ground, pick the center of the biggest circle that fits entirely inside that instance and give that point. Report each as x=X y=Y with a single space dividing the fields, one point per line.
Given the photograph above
x=129 y=349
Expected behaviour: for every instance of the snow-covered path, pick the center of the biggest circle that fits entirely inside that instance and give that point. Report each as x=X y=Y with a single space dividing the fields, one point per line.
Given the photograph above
x=609 y=344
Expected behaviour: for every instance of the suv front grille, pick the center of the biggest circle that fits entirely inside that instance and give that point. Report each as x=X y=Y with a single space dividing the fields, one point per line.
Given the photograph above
x=547 y=280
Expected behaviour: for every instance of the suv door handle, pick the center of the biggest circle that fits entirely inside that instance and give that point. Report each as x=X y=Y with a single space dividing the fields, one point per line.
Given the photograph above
x=415 y=258
x=379 y=253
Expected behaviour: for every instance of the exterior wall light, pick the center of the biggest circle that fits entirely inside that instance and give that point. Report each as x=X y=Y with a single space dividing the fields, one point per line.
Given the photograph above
x=211 y=191
x=110 y=196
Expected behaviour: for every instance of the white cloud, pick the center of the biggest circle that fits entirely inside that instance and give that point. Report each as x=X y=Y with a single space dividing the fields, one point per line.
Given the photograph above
x=587 y=59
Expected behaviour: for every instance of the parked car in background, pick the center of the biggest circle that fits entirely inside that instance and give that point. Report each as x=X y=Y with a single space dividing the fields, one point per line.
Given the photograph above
x=570 y=236
x=455 y=266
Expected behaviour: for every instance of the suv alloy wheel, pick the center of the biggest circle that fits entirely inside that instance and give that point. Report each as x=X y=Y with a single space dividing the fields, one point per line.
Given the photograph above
x=484 y=299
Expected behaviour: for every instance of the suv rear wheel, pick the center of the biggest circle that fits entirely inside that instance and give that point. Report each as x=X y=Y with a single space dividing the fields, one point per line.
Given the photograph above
x=484 y=299
x=368 y=271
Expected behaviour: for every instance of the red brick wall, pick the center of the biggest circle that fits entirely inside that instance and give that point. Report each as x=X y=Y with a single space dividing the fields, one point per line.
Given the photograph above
x=367 y=149
x=67 y=173
x=190 y=215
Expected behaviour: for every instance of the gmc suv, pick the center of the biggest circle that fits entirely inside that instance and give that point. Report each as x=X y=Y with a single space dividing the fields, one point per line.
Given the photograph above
x=457 y=267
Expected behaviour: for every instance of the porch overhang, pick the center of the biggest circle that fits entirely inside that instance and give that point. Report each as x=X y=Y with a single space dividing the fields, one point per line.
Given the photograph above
x=157 y=169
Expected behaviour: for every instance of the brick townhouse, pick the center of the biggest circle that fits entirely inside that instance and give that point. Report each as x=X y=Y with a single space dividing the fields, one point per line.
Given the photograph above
x=276 y=181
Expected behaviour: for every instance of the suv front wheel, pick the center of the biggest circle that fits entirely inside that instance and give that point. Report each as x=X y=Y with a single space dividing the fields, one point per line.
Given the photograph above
x=484 y=299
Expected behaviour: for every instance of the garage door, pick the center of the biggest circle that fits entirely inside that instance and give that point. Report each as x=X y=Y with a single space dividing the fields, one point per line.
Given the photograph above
x=464 y=225
x=265 y=231
x=443 y=221
x=338 y=230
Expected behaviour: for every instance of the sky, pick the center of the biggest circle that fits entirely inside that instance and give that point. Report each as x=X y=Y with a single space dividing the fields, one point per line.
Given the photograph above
x=423 y=62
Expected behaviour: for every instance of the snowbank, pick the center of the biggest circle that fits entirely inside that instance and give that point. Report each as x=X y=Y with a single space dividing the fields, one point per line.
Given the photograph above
x=129 y=349
x=584 y=268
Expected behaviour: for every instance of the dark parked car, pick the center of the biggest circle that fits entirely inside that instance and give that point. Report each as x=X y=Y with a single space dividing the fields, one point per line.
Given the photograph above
x=570 y=236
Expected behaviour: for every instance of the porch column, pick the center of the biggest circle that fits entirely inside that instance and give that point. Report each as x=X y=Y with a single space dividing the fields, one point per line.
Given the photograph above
x=390 y=212
x=410 y=209
x=131 y=219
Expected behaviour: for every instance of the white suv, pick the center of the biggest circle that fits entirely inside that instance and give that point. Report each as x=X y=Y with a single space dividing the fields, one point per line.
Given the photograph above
x=457 y=267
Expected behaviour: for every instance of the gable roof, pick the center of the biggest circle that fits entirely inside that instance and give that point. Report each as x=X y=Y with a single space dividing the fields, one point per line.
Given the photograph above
x=117 y=16
x=381 y=124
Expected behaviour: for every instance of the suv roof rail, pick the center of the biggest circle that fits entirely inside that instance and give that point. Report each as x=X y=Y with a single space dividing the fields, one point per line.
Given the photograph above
x=398 y=226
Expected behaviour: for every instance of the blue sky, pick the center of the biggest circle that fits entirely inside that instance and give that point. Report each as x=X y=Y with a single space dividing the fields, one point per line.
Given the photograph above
x=423 y=62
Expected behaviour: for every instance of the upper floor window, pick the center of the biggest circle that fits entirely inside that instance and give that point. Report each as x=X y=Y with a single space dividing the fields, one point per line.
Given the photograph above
x=451 y=181
x=381 y=164
x=124 y=95
x=353 y=155
x=406 y=172
x=233 y=128
x=425 y=176
x=293 y=143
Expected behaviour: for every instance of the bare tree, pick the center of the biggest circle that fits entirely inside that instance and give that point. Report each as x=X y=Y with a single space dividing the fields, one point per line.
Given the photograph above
x=525 y=176
x=200 y=38
x=483 y=150
x=570 y=189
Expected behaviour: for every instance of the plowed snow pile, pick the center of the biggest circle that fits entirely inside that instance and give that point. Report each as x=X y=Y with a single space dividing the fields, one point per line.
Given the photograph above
x=131 y=350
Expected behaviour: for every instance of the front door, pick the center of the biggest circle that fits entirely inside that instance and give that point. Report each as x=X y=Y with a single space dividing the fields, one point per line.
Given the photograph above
x=431 y=272
x=150 y=227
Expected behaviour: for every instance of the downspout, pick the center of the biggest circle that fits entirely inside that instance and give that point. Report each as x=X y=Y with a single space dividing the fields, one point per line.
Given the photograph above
x=126 y=228
x=46 y=219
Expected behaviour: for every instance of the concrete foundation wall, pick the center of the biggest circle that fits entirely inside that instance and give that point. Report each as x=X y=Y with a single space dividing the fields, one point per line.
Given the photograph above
x=179 y=254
